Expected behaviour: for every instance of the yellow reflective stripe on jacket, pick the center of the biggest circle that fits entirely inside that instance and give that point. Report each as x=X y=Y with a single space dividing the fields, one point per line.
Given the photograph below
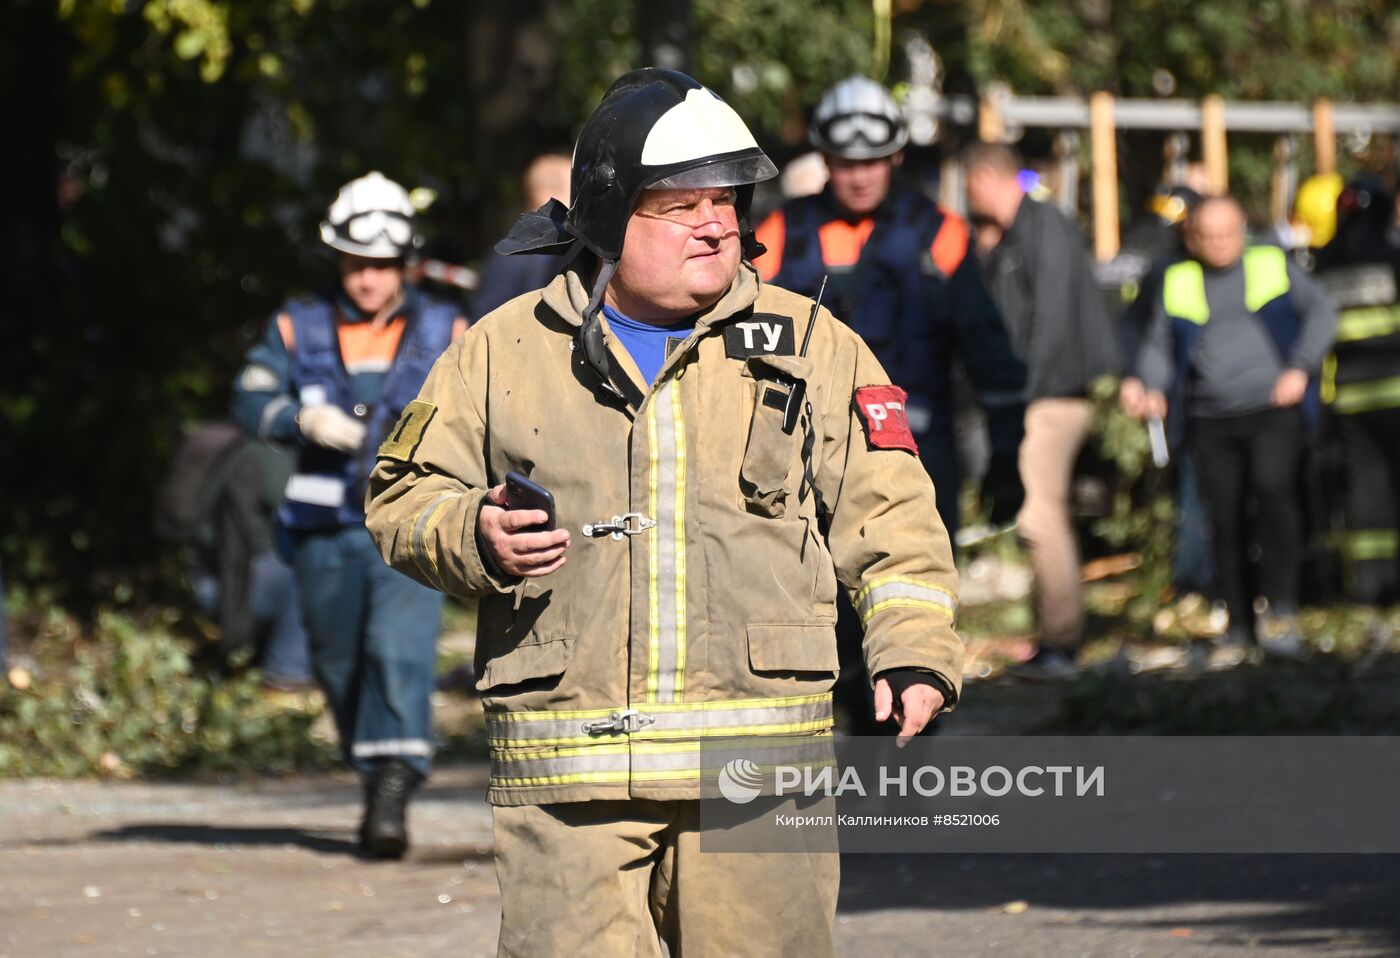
x=897 y=591
x=669 y=720
x=422 y=528
x=1265 y=280
x=1368 y=322
x=666 y=566
x=1327 y=387
x=1368 y=396
x=1184 y=292
x=1265 y=276
x=650 y=761
x=1370 y=545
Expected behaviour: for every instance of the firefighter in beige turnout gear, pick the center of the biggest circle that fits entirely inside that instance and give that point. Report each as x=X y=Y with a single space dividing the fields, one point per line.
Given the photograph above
x=689 y=590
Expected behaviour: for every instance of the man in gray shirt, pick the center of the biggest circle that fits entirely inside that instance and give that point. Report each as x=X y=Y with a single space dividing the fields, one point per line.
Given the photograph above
x=1236 y=338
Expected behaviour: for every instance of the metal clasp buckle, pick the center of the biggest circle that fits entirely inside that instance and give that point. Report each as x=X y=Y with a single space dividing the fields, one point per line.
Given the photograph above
x=631 y=524
x=626 y=721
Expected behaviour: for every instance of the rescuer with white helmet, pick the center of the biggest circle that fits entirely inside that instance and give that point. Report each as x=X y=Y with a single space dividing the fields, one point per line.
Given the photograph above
x=330 y=375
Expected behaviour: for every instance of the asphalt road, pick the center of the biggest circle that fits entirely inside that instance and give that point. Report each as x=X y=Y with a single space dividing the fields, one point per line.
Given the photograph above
x=266 y=869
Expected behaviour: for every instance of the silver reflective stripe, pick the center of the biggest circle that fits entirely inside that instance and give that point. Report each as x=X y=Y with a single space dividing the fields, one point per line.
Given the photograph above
x=897 y=592
x=392 y=746
x=666 y=645
x=562 y=762
x=270 y=413
x=326 y=491
x=651 y=761
x=680 y=720
x=418 y=541
x=369 y=366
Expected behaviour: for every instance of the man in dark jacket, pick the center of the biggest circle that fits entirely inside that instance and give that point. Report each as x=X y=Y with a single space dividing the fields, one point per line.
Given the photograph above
x=1041 y=278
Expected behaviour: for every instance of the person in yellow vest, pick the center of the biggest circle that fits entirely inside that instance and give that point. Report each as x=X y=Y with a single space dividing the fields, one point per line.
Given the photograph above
x=704 y=516
x=1233 y=350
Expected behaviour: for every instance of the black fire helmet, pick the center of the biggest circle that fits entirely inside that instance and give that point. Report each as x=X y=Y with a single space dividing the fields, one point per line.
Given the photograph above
x=654 y=129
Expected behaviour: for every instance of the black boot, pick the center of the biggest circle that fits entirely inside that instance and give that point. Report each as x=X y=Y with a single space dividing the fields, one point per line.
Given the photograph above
x=384 y=832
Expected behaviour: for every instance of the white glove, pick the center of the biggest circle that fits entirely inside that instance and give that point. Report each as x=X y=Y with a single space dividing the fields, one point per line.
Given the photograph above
x=331 y=426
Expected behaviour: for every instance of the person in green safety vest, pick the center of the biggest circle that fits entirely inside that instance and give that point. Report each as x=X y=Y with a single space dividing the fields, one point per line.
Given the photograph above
x=1361 y=386
x=1233 y=351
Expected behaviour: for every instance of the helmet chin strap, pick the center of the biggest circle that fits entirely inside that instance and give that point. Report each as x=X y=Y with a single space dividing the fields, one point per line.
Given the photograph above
x=590 y=333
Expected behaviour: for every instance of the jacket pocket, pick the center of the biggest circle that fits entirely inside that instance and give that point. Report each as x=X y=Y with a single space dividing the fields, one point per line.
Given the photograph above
x=537 y=660
x=770 y=455
x=793 y=648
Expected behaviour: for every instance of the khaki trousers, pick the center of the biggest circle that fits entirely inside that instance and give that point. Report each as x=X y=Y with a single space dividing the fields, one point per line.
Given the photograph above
x=1056 y=430
x=614 y=879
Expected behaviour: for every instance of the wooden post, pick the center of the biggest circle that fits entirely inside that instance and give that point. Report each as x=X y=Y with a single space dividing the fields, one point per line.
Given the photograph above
x=1104 y=146
x=1324 y=137
x=1213 y=149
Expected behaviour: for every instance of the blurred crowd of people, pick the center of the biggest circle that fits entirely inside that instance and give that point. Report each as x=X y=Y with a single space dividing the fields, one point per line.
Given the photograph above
x=1269 y=378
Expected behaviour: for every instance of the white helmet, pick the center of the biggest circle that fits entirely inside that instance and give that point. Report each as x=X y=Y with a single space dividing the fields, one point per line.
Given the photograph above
x=857 y=119
x=371 y=217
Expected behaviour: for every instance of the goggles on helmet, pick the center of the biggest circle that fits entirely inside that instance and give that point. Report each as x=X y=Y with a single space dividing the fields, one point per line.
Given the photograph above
x=859 y=129
x=367 y=227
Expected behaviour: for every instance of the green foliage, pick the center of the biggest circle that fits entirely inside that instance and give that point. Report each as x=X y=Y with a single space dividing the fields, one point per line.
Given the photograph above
x=199 y=142
x=769 y=74
x=129 y=701
x=1143 y=515
x=1277 y=50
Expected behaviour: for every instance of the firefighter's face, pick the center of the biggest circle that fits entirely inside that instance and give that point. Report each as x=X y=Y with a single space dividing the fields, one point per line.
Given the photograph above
x=371 y=284
x=680 y=254
x=1216 y=233
x=860 y=186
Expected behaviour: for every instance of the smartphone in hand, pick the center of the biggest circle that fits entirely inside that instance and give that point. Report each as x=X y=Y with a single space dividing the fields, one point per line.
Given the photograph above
x=521 y=493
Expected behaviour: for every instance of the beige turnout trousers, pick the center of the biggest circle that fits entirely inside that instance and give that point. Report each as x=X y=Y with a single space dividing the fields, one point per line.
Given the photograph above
x=616 y=878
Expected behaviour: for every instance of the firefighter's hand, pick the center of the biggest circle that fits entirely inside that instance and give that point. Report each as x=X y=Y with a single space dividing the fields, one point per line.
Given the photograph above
x=516 y=551
x=917 y=706
x=331 y=426
x=1289 y=388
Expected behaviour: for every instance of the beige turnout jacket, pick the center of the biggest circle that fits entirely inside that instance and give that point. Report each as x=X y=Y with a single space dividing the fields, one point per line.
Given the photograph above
x=710 y=610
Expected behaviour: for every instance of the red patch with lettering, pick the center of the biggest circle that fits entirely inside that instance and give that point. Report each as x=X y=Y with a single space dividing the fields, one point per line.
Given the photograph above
x=881 y=409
